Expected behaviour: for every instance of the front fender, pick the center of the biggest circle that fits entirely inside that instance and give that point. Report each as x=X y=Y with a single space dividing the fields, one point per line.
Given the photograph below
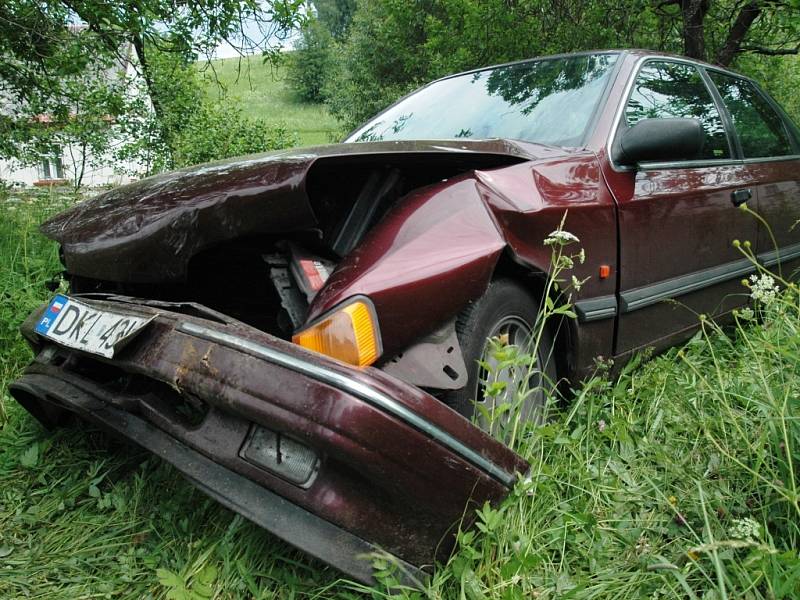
x=422 y=263
x=437 y=249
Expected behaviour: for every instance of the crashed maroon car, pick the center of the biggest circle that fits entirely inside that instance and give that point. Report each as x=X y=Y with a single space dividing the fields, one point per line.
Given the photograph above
x=300 y=332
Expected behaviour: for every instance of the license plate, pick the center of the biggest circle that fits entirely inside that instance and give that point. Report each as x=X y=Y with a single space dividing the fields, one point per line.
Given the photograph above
x=77 y=325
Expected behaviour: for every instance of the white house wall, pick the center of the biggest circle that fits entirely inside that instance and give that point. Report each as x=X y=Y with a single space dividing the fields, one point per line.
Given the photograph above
x=108 y=172
x=99 y=171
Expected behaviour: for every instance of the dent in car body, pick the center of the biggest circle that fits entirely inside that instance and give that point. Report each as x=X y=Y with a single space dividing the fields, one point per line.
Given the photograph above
x=147 y=232
x=434 y=251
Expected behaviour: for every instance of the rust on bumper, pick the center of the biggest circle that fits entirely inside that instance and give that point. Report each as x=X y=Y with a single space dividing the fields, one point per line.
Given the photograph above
x=396 y=468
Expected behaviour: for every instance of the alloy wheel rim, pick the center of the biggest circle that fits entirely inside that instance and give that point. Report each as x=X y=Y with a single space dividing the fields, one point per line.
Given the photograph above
x=516 y=332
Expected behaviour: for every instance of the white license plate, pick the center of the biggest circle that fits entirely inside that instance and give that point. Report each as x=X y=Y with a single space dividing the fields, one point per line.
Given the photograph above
x=77 y=325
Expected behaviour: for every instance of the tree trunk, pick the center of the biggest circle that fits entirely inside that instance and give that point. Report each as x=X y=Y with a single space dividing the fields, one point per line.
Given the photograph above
x=82 y=172
x=152 y=90
x=144 y=66
x=694 y=13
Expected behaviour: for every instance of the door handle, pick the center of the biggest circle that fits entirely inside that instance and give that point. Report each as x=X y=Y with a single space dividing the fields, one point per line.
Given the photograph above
x=739 y=197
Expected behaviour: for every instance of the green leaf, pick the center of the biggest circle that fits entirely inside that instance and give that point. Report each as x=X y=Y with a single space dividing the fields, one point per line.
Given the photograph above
x=30 y=457
x=470 y=585
x=203 y=584
x=564 y=310
x=169 y=579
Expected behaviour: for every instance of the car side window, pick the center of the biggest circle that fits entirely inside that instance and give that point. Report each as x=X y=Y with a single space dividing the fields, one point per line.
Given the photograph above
x=761 y=130
x=676 y=90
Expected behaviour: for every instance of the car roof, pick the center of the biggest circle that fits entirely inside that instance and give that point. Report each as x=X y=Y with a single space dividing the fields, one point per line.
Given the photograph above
x=634 y=52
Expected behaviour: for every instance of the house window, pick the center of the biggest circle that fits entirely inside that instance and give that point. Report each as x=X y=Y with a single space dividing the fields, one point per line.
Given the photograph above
x=51 y=167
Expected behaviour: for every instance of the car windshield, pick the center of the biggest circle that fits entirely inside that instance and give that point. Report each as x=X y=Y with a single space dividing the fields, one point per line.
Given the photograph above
x=548 y=101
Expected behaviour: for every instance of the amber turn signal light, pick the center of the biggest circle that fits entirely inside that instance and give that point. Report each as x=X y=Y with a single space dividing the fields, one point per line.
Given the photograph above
x=349 y=333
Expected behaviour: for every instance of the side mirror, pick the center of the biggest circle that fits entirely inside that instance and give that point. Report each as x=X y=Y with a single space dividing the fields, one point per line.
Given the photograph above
x=659 y=140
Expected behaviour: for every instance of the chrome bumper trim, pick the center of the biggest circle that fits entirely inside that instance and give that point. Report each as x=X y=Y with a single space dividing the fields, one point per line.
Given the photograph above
x=355 y=388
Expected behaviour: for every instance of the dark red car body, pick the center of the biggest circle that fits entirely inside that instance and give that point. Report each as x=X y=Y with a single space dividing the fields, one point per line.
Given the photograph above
x=397 y=466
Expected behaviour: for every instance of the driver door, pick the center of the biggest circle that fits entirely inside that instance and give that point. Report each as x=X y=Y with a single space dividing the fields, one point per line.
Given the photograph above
x=677 y=222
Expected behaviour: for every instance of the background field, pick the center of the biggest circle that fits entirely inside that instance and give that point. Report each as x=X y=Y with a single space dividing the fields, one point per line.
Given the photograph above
x=262 y=91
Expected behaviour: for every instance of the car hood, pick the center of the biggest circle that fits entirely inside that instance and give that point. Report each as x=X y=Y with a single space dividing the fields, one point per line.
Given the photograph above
x=148 y=230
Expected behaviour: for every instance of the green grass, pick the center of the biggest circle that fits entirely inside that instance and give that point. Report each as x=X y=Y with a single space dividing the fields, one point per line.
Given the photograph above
x=635 y=490
x=263 y=92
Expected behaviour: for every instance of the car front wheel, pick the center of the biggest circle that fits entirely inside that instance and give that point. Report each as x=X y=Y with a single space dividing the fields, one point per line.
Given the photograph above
x=506 y=311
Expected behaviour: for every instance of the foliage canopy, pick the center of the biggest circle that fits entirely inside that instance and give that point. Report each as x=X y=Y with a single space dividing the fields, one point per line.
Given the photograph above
x=394 y=46
x=57 y=59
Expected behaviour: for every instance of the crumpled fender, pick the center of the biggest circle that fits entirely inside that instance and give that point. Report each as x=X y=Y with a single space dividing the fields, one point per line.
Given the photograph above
x=437 y=249
x=148 y=231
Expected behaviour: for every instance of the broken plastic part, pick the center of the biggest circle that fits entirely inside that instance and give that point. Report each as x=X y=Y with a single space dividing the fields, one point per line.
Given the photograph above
x=292 y=300
x=310 y=271
x=349 y=333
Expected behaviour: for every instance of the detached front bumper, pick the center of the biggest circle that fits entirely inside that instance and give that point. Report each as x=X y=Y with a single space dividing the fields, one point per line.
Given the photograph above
x=394 y=468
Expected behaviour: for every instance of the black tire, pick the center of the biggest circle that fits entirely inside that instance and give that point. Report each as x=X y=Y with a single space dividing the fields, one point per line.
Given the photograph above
x=505 y=302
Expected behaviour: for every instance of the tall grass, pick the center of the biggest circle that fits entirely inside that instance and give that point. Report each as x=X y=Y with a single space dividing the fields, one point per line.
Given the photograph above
x=27 y=263
x=676 y=480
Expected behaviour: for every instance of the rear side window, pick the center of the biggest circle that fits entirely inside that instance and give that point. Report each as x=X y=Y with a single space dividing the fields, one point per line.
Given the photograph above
x=760 y=128
x=675 y=90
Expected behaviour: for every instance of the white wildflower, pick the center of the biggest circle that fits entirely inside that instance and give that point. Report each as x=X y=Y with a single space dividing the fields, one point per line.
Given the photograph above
x=559 y=237
x=643 y=545
x=576 y=283
x=581 y=256
x=528 y=485
x=746 y=314
x=763 y=288
x=745 y=529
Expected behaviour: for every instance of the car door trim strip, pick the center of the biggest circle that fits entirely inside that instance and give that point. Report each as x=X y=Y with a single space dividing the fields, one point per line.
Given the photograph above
x=781 y=255
x=604 y=307
x=356 y=388
x=595 y=309
x=647 y=295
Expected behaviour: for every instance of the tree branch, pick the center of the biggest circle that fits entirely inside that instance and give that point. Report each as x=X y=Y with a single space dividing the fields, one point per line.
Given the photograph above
x=749 y=13
x=770 y=51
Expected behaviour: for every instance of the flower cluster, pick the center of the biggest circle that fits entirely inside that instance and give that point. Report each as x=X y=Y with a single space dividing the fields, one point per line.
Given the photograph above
x=763 y=288
x=745 y=529
x=643 y=545
x=559 y=237
x=562 y=261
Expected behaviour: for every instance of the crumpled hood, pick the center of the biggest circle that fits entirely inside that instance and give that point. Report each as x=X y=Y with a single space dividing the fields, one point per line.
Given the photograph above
x=148 y=231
